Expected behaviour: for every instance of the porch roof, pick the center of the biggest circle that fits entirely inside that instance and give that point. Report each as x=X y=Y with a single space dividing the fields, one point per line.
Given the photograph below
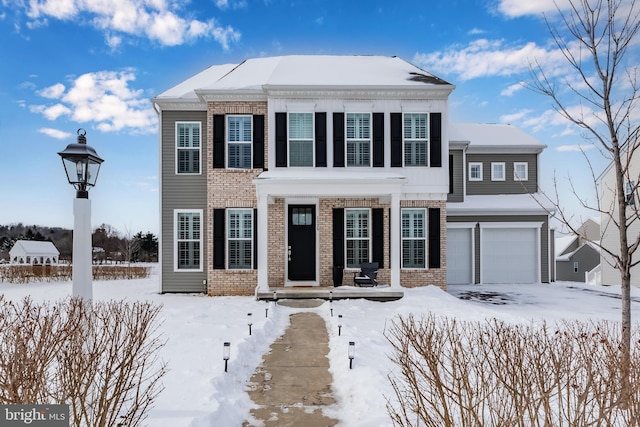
x=323 y=183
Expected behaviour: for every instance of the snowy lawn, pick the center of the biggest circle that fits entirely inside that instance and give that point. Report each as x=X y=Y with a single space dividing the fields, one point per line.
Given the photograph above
x=199 y=393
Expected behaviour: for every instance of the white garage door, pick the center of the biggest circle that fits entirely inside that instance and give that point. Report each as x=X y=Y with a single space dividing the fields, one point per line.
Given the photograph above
x=509 y=255
x=459 y=256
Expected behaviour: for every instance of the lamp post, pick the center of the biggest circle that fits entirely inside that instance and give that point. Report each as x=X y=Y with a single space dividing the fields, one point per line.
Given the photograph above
x=226 y=352
x=81 y=164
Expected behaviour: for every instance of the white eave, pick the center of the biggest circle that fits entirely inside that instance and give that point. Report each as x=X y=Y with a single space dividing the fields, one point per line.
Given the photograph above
x=501 y=204
x=335 y=183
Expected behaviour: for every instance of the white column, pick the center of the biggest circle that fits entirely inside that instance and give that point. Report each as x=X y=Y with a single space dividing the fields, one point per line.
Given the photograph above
x=395 y=240
x=263 y=243
x=82 y=249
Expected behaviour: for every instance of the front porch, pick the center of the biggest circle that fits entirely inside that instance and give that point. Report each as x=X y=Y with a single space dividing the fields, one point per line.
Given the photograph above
x=378 y=293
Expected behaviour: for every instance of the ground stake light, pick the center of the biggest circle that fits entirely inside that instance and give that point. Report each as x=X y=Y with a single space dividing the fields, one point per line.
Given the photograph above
x=81 y=164
x=249 y=322
x=331 y=307
x=351 y=353
x=339 y=324
x=226 y=352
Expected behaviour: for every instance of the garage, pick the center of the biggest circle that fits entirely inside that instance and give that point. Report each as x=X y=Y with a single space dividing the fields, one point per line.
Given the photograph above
x=459 y=256
x=509 y=255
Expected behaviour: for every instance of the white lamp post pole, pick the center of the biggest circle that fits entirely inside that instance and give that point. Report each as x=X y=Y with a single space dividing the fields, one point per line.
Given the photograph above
x=81 y=164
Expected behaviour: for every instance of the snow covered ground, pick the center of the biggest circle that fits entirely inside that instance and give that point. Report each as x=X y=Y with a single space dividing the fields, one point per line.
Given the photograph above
x=199 y=393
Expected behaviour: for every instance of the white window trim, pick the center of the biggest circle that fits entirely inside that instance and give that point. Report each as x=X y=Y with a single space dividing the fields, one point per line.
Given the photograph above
x=526 y=171
x=347 y=139
x=227 y=142
x=369 y=232
x=419 y=140
x=424 y=238
x=227 y=238
x=176 y=269
x=471 y=165
x=493 y=175
x=175 y=144
x=313 y=139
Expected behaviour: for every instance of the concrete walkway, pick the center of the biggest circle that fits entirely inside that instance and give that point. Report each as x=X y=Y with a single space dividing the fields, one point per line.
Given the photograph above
x=293 y=383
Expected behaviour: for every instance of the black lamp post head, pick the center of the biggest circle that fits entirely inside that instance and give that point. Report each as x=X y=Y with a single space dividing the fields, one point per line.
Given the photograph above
x=81 y=164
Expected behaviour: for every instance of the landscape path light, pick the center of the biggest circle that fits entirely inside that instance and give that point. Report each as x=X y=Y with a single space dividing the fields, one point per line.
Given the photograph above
x=81 y=164
x=331 y=307
x=226 y=352
x=249 y=322
x=339 y=324
x=351 y=353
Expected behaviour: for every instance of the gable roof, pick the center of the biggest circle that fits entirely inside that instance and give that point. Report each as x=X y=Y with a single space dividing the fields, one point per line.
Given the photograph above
x=34 y=247
x=319 y=71
x=485 y=137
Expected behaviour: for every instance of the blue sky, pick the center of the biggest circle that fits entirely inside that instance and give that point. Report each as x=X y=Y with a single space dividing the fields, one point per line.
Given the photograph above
x=69 y=64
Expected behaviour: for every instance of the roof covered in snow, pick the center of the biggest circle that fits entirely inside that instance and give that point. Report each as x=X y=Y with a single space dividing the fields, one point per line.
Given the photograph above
x=500 y=204
x=33 y=247
x=482 y=136
x=308 y=71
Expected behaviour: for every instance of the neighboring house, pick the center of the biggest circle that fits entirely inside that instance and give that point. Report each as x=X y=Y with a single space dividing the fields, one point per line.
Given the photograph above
x=497 y=231
x=277 y=171
x=610 y=234
x=34 y=252
x=578 y=254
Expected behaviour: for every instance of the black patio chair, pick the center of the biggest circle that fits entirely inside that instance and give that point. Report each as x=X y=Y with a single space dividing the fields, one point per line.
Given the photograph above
x=367 y=276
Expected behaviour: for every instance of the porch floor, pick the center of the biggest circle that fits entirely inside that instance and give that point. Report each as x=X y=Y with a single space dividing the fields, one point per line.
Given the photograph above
x=376 y=293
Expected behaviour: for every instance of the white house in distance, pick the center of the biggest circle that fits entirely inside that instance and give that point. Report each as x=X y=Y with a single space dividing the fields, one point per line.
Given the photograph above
x=34 y=253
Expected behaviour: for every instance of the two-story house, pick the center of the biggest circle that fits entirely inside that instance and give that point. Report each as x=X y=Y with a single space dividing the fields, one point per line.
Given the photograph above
x=277 y=170
x=497 y=229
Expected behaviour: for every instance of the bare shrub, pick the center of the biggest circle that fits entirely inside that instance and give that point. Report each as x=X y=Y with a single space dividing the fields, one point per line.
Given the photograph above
x=100 y=358
x=21 y=274
x=492 y=373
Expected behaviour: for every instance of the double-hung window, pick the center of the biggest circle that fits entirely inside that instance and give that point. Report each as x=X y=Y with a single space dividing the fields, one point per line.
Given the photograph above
x=188 y=147
x=300 y=139
x=414 y=241
x=475 y=171
x=497 y=171
x=239 y=139
x=358 y=139
x=240 y=238
x=188 y=244
x=358 y=236
x=416 y=134
x=520 y=171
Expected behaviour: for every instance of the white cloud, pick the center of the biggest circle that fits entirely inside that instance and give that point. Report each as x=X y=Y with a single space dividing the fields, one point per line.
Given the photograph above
x=475 y=31
x=509 y=91
x=52 y=91
x=517 y=8
x=158 y=20
x=515 y=117
x=104 y=98
x=55 y=133
x=575 y=147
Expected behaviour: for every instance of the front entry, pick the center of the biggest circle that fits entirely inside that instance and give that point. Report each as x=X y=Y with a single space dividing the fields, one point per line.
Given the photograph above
x=301 y=248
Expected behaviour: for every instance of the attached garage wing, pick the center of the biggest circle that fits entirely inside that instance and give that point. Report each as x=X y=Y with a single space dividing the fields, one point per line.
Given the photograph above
x=509 y=255
x=459 y=256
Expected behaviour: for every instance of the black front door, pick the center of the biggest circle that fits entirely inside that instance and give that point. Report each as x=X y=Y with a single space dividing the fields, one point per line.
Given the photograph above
x=301 y=249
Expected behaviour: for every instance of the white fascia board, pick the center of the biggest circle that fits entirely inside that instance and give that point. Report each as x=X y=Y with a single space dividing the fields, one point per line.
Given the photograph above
x=505 y=149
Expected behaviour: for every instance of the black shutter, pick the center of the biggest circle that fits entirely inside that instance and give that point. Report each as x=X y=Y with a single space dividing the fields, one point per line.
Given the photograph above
x=218 y=239
x=255 y=239
x=378 y=140
x=434 y=238
x=321 y=139
x=338 y=140
x=396 y=140
x=218 y=141
x=377 y=233
x=338 y=237
x=435 y=137
x=281 y=140
x=258 y=141
x=450 y=173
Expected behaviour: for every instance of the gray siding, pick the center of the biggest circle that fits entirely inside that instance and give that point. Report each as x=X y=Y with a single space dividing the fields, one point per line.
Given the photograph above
x=587 y=259
x=181 y=192
x=457 y=172
x=508 y=186
x=544 y=238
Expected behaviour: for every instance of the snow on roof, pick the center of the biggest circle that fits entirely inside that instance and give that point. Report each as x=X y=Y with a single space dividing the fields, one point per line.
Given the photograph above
x=500 y=204
x=35 y=247
x=306 y=70
x=492 y=135
x=567 y=256
x=563 y=242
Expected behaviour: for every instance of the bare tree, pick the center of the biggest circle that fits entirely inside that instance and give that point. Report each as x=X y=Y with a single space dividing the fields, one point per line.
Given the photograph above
x=595 y=38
